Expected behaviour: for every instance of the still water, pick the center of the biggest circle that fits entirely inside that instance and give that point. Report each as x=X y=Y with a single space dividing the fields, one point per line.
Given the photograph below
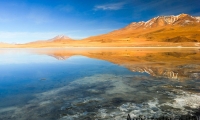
x=98 y=84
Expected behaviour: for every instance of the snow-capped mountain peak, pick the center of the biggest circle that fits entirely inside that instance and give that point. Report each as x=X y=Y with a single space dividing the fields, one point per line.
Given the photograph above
x=181 y=19
x=61 y=37
x=198 y=18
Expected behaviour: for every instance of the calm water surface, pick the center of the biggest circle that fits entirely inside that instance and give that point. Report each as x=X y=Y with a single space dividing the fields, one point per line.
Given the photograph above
x=89 y=84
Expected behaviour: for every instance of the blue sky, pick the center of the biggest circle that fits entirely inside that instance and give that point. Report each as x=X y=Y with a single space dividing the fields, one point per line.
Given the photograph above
x=23 y=21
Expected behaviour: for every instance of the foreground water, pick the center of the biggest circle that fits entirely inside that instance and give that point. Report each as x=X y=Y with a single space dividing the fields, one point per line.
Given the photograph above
x=89 y=84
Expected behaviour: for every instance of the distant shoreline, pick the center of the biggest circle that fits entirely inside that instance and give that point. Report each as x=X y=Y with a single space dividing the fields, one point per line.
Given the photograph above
x=91 y=47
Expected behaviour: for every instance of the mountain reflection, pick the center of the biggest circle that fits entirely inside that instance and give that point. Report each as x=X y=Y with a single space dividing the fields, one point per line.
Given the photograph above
x=176 y=64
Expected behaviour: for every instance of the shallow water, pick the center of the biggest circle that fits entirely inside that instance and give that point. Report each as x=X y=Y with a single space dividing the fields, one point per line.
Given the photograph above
x=74 y=84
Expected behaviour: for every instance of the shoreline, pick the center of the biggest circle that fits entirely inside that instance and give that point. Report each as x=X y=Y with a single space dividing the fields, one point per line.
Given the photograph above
x=92 y=47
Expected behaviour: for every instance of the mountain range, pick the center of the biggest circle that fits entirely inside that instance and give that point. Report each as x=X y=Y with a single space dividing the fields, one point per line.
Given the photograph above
x=162 y=31
x=180 y=30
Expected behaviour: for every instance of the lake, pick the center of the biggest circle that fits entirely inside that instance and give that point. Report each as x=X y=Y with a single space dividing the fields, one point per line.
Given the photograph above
x=99 y=84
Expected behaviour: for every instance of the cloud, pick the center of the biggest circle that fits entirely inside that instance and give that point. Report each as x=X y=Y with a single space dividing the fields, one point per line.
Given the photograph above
x=111 y=6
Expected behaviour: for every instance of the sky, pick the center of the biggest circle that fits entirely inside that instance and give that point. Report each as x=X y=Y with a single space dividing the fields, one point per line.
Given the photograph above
x=23 y=21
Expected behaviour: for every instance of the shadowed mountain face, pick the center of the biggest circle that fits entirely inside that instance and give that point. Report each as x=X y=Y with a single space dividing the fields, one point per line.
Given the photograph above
x=179 y=64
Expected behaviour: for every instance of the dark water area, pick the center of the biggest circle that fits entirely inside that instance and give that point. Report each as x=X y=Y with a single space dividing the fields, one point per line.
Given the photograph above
x=98 y=84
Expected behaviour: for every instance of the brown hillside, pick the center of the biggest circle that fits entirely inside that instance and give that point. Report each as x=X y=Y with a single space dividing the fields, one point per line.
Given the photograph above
x=155 y=32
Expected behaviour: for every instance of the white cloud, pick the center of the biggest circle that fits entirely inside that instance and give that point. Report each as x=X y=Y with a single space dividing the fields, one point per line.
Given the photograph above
x=112 y=6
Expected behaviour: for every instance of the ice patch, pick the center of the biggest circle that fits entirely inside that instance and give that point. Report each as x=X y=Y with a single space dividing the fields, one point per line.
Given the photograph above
x=198 y=18
x=102 y=113
x=69 y=117
x=185 y=100
x=148 y=109
x=8 y=109
x=187 y=21
x=43 y=103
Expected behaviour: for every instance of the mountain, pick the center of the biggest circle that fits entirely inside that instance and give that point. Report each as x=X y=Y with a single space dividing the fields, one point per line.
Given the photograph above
x=57 y=41
x=182 y=20
x=180 y=30
x=162 y=31
x=60 y=38
x=6 y=45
